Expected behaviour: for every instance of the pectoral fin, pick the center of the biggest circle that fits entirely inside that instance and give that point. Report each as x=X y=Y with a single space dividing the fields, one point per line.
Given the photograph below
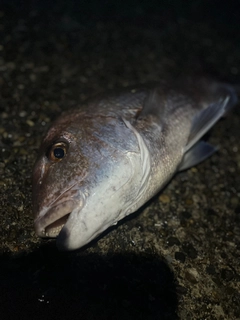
x=198 y=153
x=194 y=151
x=205 y=119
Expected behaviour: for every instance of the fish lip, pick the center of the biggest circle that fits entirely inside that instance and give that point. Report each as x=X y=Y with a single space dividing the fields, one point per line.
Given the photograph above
x=51 y=220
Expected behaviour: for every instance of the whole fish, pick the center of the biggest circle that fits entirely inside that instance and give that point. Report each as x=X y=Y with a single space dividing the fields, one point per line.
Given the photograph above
x=104 y=160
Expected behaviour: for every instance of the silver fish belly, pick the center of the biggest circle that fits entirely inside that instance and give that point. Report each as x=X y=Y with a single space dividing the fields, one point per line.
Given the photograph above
x=103 y=161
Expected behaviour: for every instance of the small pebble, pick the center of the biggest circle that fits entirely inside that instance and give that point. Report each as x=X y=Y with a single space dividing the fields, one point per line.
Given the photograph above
x=164 y=198
x=30 y=123
x=180 y=256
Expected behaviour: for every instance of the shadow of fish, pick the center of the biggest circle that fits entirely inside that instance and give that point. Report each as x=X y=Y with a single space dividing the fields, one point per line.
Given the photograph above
x=101 y=162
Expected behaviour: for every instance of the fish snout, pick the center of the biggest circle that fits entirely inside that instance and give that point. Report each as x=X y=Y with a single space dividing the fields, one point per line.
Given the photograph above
x=50 y=221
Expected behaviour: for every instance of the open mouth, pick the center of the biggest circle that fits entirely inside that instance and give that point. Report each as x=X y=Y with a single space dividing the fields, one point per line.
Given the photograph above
x=53 y=229
x=51 y=223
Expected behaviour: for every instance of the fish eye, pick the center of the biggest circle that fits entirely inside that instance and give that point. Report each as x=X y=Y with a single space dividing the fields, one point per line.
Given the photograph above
x=57 y=151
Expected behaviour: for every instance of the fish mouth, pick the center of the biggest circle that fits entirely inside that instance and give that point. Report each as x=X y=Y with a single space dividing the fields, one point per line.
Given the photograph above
x=49 y=224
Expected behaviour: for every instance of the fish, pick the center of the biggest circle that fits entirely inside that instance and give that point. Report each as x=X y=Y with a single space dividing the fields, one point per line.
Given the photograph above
x=105 y=159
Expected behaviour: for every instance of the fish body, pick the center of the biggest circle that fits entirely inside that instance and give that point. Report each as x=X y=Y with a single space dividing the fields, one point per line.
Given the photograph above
x=104 y=160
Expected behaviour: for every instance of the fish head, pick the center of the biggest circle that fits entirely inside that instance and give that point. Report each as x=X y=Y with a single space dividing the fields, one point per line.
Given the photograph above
x=84 y=178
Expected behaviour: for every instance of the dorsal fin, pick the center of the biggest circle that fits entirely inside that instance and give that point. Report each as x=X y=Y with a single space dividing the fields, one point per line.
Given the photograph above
x=154 y=105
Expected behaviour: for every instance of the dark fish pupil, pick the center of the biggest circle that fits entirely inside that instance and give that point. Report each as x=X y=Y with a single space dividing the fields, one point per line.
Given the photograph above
x=58 y=153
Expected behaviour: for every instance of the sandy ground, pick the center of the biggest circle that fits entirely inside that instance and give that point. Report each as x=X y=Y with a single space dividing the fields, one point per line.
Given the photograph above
x=178 y=257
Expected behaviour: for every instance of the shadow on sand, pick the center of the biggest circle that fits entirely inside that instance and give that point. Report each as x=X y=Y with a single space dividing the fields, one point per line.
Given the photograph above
x=46 y=284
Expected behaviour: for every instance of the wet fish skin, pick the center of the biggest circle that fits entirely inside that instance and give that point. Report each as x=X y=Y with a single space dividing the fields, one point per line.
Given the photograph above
x=121 y=150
